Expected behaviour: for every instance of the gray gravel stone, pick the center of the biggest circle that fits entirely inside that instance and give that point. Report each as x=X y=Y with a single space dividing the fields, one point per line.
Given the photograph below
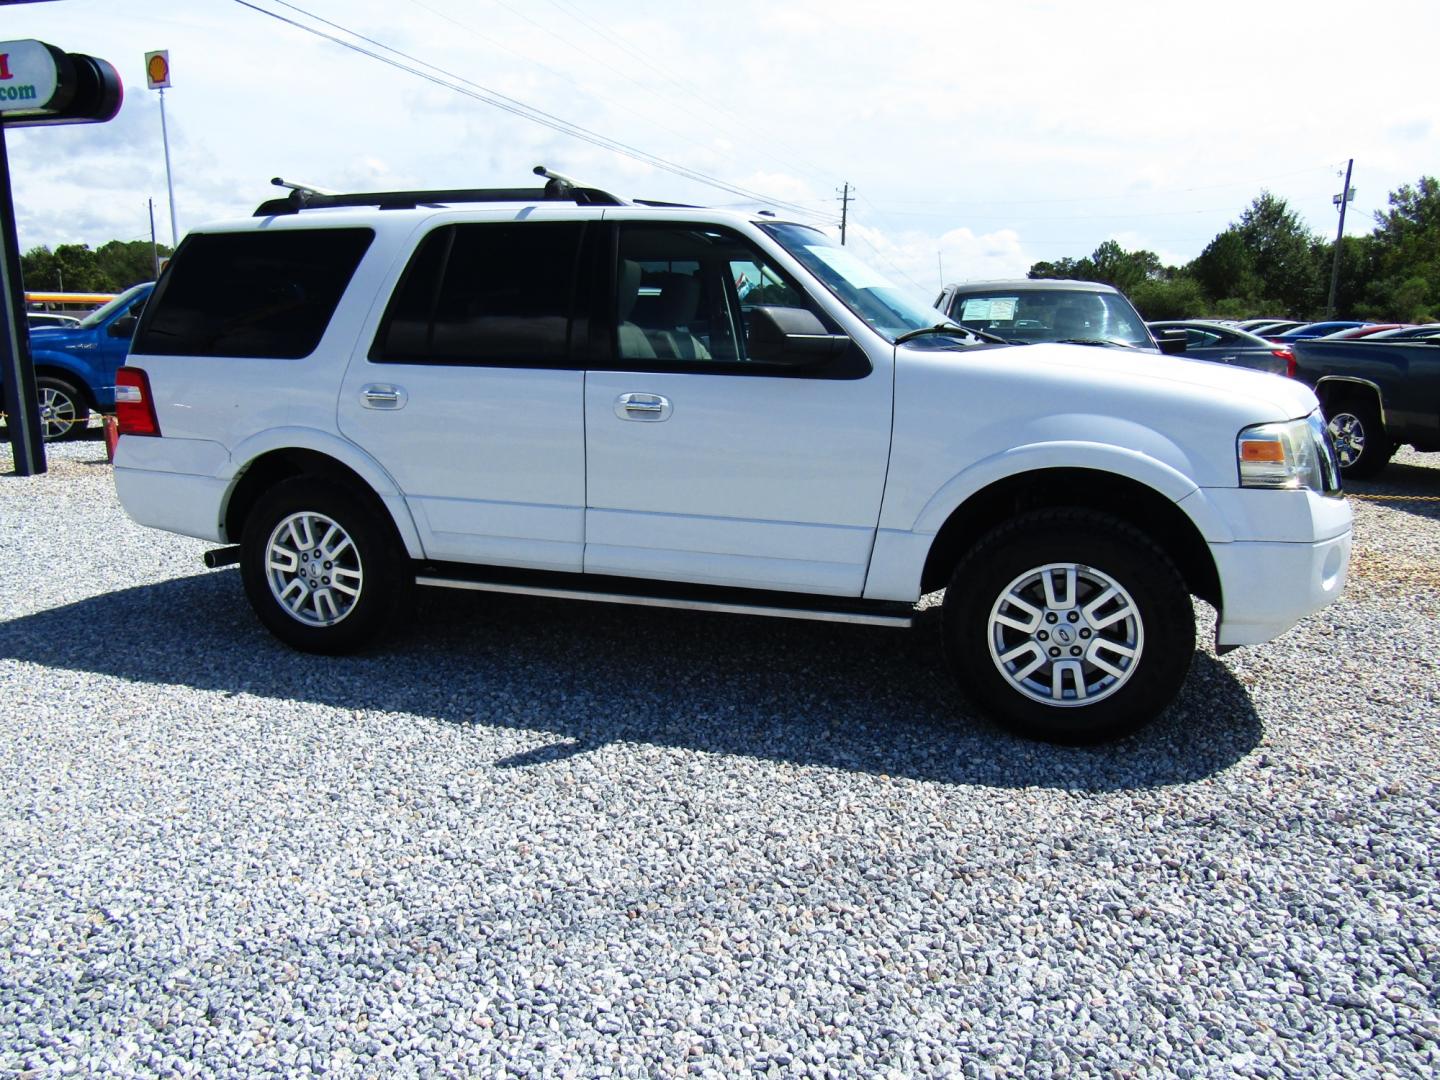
x=529 y=838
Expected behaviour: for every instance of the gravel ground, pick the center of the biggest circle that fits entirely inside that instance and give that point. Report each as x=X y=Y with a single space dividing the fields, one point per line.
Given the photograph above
x=559 y=839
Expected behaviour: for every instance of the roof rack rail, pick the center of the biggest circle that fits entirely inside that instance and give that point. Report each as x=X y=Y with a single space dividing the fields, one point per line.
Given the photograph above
x=557 y=188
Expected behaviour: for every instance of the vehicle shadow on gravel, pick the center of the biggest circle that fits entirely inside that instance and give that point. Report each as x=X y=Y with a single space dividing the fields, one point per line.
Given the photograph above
x=873 y=700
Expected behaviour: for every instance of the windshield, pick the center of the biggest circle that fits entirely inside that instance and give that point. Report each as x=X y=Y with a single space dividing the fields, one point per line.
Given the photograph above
x=100 y=314
x=886 y=307
x=1025 y=316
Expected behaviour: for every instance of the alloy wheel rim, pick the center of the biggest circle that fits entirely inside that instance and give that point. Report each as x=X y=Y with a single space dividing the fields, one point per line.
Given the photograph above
x=1349 y=436
x=313 y=569
x=58 y=413
x=1066 y=635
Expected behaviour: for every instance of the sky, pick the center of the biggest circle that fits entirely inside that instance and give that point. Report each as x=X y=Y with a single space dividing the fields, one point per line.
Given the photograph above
x=976 y=138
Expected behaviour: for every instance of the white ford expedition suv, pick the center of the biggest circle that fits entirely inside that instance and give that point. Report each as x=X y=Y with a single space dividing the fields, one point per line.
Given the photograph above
x=557 y=392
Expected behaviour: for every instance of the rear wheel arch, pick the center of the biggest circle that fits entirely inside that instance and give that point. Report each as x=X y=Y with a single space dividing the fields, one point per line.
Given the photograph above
x=1333 y=391
x=275 y=467
x=1354 y=410
x=1138 y=505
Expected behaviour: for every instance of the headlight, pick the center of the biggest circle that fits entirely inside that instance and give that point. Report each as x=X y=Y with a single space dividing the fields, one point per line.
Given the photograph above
x=1291 y=455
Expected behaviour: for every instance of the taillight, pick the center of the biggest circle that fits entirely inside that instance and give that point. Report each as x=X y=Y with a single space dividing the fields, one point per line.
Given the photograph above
x=134 y=407
x=1288 y=355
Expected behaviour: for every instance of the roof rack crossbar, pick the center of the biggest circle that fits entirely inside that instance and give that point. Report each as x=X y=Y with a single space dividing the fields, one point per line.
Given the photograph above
x=303 y=198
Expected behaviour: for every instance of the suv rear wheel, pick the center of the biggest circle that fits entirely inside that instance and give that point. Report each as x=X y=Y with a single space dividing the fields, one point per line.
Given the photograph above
x=1069 y=625
x=322 y=572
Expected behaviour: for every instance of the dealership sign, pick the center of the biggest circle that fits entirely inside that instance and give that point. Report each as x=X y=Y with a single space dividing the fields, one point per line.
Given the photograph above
x=29 y=76
x=40 y=84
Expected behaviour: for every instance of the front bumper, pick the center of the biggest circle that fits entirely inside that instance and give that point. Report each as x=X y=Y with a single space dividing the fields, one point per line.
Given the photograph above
x=1268 y=586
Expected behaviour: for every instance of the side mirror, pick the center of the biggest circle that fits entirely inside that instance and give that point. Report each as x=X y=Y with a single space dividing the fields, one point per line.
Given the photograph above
x=123 y=327
x=1171 y=342
x=786 y=335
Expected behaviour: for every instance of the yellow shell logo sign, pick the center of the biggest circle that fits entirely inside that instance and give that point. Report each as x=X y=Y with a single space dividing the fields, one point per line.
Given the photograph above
x=157 y=69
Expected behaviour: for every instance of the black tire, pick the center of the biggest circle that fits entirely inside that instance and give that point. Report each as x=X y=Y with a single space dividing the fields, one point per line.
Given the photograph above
x=63 y=411
x=1103 y=551
x=358 y=595
x=1360 y=439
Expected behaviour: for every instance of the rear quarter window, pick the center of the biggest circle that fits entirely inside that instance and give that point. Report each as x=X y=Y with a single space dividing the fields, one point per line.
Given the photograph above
x=265 y=295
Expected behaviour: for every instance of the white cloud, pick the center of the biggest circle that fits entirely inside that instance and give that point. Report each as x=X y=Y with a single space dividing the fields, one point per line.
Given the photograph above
x=991 y=136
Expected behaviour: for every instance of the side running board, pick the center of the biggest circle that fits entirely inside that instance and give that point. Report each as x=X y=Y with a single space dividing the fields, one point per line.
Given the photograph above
x=619 y=590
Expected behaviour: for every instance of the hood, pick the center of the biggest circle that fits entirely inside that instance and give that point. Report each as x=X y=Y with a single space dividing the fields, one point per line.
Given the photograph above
x=1288 y=398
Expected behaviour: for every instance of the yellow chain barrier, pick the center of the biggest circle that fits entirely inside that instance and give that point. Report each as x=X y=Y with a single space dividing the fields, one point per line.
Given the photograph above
x=1393 y=498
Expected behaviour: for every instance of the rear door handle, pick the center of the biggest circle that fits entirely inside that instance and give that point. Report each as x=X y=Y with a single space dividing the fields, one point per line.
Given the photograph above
x=383 y=396
x=642 y=407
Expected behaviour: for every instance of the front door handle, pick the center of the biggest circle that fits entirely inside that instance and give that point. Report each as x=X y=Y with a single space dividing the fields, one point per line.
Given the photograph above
x=642 y=407
x=383 y=396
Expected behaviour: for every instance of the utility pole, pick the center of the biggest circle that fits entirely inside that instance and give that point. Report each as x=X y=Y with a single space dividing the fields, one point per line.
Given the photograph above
x=1347 y=193
x=154 y=248
x=844 y=211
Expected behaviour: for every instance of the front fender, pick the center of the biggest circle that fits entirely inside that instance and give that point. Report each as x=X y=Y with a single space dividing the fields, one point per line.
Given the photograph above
x=899 y=557
x=1039 y=457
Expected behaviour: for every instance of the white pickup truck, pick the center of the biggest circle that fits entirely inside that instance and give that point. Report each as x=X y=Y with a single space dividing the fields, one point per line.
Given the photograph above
x=557 y=392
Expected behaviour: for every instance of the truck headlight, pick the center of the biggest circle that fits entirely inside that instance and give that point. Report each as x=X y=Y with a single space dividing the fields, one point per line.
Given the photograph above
x=1290 y=455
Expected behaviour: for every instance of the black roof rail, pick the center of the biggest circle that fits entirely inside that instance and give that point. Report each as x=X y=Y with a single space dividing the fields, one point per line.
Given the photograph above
x=557 y=188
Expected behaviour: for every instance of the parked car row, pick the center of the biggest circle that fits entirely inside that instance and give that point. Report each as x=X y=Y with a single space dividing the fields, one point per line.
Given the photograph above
x=1228 y=345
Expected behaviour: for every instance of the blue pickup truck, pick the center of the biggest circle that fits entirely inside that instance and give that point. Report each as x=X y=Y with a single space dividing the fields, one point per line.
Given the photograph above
x=75 y=365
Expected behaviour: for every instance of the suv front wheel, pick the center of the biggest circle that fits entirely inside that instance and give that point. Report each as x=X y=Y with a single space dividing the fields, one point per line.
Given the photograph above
x=1069 y=625
x=321 y=571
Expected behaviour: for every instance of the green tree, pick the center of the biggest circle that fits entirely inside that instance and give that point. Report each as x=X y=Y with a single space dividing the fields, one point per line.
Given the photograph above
x=116 y=266
x=1279 y=246
x=1066 y=269
x=126 y=263
x=69 y=268
x=1406 y=279
x=1226 y=269
x=1177 y=297
x=1109 y=263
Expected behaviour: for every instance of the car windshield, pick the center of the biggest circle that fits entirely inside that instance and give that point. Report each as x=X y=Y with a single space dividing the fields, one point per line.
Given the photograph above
x=100 y=314
x=887 y=308
x=1034 y=315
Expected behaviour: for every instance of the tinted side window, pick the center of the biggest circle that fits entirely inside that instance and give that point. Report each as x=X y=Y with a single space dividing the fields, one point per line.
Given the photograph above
x=485 y=294
x=683 y=293
x=261 y=294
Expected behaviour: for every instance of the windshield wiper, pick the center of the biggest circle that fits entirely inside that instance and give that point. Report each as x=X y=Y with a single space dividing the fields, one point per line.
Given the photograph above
x=1095 y=341
x=951 y=328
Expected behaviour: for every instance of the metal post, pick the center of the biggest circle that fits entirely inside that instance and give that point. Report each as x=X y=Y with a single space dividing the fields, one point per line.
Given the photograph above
x=1339 y=239
x=17 y=371
x=169 y=180
x=154 y=247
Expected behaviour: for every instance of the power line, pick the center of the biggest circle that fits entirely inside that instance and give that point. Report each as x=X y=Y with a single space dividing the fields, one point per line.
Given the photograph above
x=943 y=210
x=1121 y=195
x=747 y=122
x=511 y=105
